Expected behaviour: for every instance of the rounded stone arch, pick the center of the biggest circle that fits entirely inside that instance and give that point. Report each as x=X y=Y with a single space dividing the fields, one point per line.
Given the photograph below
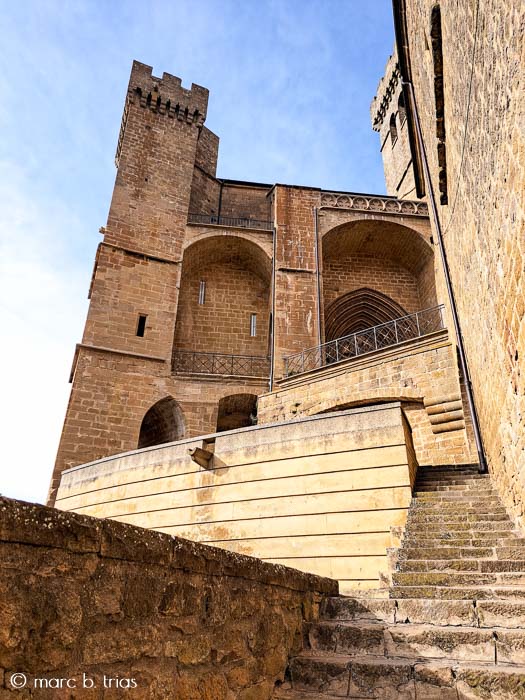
x=163 y=422
x=238 y=248
x=385 y=257
x=252 y=240
x=357 y=310
x=236 y=411
x=380 y=238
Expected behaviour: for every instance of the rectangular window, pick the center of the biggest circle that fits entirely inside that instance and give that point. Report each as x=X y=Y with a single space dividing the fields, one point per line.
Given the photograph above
x=253 y=325
x=141 y=325
x=202 y=292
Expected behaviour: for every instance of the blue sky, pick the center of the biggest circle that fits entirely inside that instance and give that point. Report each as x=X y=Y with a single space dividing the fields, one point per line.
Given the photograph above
x=290 y=83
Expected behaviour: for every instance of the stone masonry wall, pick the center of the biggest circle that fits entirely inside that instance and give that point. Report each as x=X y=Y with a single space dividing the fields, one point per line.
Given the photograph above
x=222 y=323
x=296 y=291
x=356 y=271
x=105 y=411
x=422 y=374
x=108 y=600
x=483 y=222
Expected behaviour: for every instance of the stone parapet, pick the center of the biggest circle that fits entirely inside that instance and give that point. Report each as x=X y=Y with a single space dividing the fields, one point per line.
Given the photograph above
x=181 y=619
x=320 y=494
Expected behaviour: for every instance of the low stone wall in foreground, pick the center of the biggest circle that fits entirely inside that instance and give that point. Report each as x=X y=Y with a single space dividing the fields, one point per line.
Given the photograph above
x=140 y=614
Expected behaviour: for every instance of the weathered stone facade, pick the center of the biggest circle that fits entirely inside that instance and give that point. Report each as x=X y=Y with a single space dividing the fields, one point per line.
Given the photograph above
x=478 y=116
x=101 y=599
x=203 y=286
x=214 y=299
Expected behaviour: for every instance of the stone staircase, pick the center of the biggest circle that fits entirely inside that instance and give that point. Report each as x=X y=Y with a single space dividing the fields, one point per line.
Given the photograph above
x=452 y=624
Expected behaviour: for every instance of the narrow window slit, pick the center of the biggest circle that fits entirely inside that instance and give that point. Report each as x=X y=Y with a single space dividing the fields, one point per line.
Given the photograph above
x=202 y=292
x=141 y=325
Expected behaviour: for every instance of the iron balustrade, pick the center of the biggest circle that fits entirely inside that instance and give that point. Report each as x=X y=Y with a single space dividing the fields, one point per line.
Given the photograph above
x=238 y=222
x=217 y=363
x=384 y=335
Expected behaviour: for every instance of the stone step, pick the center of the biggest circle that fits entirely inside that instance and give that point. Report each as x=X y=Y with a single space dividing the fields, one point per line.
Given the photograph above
x=416 y=517
x=286 y=693
x=461 y=543
x=451 y=497
x=457 y=507
x=433 y=511
x=345 y=608
x=466 y=489
x=451 y=470
x=479 y=565
x=474 y=527
x=503 y=538
x=416 y=641
x=400 y=679
x=466 y=483
x=444 y=552
x=482 y=613
x=449 y=592
x=472 y=578
x=341 y=676
x=450 y=478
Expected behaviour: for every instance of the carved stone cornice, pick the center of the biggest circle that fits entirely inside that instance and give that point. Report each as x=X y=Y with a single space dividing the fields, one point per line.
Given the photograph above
x=375 y=204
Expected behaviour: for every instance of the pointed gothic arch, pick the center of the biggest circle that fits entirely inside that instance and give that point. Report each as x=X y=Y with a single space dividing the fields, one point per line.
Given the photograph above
x=357 y=310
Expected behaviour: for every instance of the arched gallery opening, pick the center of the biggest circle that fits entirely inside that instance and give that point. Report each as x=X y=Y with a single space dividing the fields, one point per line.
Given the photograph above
x=237 y=411
x=163 y=422
x=374 y=271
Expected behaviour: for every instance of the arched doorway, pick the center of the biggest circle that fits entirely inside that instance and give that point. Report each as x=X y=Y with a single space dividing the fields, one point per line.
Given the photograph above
x=163 y=422
x=237 y=411
x=357 y=310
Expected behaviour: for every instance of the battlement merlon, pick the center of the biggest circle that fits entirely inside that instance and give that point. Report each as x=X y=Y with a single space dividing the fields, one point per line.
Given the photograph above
x=386 y=89
x=167 y=95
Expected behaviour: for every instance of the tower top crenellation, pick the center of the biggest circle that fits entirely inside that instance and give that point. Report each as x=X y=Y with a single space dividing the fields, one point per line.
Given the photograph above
x=167 y=95
x=386 y=89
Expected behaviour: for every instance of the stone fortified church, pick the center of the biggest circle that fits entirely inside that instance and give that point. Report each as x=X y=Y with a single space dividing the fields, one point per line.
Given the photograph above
x=202 y=287
x=316 y=379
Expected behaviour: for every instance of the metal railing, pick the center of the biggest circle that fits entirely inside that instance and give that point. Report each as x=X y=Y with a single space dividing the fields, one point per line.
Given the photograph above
x=368 y=340
x=217 y=363
x=239 y=222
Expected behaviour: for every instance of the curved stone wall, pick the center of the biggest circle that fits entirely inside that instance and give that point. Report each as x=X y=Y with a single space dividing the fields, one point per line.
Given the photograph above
x=321 y=494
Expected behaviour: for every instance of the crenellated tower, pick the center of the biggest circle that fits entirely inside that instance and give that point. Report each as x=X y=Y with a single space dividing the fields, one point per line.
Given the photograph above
x=128 y=337
x=388 y=115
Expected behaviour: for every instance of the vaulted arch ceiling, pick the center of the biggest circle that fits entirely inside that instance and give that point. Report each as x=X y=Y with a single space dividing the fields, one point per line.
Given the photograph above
x=380 y=239
x=227 y=249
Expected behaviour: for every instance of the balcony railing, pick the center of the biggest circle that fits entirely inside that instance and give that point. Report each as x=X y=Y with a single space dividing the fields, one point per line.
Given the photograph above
x=369 y=340
x=239 y=222
x=216 y=363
